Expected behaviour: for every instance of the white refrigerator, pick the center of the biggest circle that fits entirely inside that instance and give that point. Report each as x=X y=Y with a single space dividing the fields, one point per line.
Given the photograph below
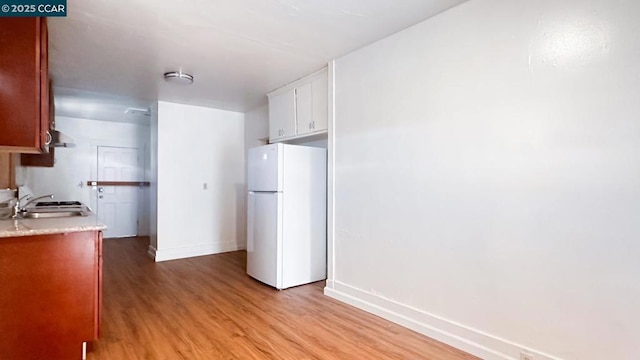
x=287 y=214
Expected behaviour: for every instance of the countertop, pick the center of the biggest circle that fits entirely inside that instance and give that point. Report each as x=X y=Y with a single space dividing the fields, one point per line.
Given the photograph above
x=28 y=227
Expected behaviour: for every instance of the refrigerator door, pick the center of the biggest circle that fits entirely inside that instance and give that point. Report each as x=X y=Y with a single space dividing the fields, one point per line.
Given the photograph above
x=264 y=237
x=304 y=230
x=264 y=169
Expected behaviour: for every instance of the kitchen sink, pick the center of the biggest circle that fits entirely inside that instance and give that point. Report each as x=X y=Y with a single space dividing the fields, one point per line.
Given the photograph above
x=52 y=214
x=50 y=209
x=58 y=203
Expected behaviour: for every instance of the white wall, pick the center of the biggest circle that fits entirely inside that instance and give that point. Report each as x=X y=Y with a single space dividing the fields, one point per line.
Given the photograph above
x=487 y=164
x=153 y=180
x=256 y=130
x=198 y=146
x=75 y=166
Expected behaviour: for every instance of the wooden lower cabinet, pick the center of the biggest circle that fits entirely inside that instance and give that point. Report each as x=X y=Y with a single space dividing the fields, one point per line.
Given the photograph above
x=50 y=295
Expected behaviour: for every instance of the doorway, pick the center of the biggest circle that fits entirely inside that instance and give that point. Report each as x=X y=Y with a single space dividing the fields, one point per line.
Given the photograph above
x=117 y=203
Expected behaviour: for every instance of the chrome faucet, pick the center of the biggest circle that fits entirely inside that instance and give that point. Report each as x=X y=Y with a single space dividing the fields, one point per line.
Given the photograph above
x=18 y=209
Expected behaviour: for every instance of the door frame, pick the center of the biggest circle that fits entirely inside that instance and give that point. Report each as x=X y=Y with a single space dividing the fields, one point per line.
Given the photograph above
x=140 y=169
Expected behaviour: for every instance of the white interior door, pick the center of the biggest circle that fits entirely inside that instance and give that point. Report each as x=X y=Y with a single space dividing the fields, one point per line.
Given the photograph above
x=118 y=205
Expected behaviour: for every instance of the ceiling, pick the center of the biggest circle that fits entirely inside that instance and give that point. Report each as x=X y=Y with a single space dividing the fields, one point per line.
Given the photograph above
x=237 y=50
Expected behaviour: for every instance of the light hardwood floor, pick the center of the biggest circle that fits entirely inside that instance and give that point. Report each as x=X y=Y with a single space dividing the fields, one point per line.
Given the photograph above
x=208 y=308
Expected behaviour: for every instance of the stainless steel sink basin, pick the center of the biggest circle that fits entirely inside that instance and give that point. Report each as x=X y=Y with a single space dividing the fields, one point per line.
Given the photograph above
x=48 y=210
x=52 y=214
x=46 y=204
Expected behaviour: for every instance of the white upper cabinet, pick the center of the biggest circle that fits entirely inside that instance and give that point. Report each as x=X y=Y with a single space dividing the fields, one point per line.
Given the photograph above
x=299 y=109
x=282 y=115
x=304 y=108
x=320 y=87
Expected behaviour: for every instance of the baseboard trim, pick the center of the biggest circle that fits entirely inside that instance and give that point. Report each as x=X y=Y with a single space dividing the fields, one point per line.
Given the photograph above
x=151 y=252
x=195 y=250
x=329 y=285
x=475 y=342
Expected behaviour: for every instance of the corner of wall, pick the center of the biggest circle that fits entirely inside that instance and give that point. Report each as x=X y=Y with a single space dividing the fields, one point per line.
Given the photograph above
x=331 y=121
x=151 y=252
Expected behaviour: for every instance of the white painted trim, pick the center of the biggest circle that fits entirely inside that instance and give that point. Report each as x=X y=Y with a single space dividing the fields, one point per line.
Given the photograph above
x=152 y=252
x=331 y=160
x=478 y=343
x=196 y=250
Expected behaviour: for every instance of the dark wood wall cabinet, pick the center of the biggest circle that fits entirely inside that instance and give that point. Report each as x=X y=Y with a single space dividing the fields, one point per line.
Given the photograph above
x=51 y=295
x=46 y=159
x=7 y=177
x=24 y=99
x=42 y=160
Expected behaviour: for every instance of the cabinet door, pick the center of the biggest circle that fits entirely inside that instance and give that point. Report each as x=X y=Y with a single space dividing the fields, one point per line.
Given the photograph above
x=98 y=299
x=282 y=115
x=46 y=159
x=320 y=90
x=48 y=297
x=304 y=108
x=311 y=105
x=23 y=63
x=46 y=93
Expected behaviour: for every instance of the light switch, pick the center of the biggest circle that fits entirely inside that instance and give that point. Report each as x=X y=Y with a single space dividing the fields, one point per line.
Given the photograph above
x=204 y=186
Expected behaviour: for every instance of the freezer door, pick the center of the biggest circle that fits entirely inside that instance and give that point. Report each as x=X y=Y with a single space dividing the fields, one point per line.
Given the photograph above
x=264 y=238
x=264 y=169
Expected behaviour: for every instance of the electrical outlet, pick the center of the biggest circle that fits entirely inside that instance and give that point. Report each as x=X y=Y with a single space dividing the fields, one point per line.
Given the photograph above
x=525 y=356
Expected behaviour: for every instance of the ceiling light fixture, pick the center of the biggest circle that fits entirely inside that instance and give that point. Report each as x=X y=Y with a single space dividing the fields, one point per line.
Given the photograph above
x=178 y=77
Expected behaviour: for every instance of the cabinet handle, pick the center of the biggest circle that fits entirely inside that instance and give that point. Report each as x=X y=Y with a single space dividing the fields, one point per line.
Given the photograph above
x=49 y=138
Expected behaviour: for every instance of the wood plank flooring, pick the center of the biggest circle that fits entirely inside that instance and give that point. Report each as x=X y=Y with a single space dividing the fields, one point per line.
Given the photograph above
x=208 y=308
